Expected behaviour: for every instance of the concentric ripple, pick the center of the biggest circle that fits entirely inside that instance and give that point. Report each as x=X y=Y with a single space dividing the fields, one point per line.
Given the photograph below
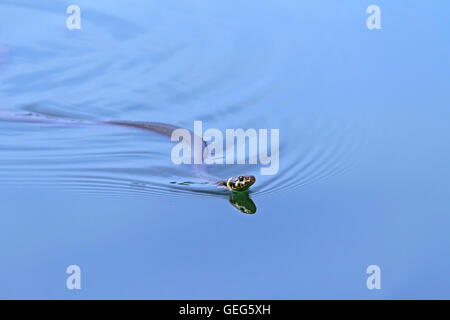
x=130 y=65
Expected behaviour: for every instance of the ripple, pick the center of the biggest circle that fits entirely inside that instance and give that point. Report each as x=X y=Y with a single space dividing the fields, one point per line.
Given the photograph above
x=225 y=72
x=106 y=159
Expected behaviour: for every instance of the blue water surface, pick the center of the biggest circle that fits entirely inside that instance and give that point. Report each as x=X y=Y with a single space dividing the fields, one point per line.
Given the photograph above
x=364 y=155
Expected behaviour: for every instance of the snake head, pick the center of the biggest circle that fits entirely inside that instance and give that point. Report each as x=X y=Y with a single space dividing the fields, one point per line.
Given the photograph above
x=240 y=183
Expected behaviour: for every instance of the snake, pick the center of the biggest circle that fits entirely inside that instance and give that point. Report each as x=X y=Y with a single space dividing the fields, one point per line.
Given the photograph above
x=235 y=184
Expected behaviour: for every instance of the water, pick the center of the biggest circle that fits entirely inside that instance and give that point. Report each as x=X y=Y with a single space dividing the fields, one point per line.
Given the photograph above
x=363 y=179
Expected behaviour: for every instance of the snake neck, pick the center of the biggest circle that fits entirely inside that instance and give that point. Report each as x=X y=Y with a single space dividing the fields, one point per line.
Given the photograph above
x=221 y=183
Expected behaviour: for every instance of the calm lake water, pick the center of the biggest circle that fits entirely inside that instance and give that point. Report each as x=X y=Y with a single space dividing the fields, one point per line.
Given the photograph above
x=364 y=154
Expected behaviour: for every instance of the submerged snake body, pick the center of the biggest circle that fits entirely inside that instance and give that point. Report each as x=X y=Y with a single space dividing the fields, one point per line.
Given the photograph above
x=240 y=183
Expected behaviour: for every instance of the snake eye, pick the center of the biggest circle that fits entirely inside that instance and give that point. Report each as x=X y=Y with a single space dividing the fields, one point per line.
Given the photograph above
x=241 y=178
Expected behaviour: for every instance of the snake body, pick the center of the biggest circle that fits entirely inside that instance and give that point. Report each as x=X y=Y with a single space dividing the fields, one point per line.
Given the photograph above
x=238 y=184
